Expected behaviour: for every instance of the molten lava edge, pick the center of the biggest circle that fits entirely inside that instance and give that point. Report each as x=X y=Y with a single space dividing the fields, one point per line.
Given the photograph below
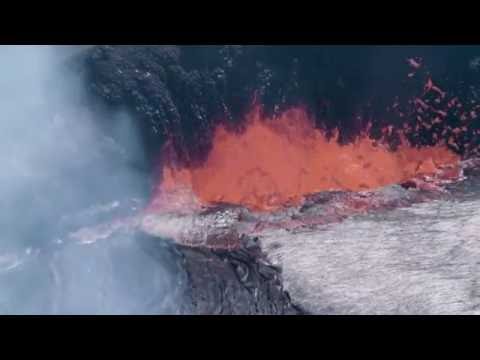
x=276 y=162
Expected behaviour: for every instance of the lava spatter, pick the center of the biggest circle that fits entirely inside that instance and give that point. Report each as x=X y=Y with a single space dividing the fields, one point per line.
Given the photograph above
x=277 y=162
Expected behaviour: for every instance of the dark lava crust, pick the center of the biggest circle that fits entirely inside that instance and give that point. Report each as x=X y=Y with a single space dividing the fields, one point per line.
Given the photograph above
x=216 y=282
x=233 y=283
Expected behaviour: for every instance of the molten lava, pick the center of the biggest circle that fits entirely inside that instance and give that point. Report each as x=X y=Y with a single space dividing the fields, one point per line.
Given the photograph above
x=276 y=162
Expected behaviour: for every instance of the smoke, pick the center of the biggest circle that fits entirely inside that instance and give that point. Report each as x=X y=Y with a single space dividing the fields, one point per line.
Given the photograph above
x=60 y=171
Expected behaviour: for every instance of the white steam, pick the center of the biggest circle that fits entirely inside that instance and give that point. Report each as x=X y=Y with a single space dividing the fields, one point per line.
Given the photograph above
x=55 y=164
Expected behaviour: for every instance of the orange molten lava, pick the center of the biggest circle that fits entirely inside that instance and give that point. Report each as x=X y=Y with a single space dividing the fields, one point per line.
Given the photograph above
x=276 y=162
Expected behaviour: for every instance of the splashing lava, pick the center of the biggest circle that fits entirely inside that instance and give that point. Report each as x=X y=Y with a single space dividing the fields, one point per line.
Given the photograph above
x=276 y=162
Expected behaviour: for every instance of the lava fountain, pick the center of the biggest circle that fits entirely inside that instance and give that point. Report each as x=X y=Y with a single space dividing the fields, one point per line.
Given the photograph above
x=275 y=162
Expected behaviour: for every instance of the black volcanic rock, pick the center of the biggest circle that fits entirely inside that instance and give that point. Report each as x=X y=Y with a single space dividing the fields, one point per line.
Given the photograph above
x=166 y=99
x=221 y=282
x=234 y=283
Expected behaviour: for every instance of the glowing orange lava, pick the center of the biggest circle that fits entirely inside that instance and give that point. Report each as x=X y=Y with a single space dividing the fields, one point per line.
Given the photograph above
x=276 y=162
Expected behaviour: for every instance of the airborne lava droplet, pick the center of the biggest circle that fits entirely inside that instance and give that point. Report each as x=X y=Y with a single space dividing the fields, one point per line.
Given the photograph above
x=276 y=162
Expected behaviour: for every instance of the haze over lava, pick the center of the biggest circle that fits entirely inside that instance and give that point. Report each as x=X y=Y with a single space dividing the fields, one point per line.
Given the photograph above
x=276 y=162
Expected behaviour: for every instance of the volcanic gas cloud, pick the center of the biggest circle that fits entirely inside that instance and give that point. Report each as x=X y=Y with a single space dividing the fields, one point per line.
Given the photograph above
x=276 y=162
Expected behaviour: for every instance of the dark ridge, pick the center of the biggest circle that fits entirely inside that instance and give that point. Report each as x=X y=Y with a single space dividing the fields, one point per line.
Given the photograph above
x=214 y=282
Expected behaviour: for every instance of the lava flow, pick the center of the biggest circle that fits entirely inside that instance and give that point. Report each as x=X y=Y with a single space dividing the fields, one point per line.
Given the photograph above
x=276 y=162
